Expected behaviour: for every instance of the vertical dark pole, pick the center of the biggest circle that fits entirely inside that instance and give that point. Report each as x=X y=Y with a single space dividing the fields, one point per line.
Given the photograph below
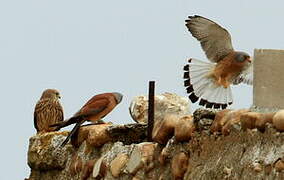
x=151 y=112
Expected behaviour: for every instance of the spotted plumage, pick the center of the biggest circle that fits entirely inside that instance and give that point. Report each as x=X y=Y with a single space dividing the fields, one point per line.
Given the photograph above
x=48 y=111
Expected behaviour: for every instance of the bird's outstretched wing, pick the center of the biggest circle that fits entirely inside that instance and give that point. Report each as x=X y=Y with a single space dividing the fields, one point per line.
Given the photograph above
x=215 y=40
x=246 y=76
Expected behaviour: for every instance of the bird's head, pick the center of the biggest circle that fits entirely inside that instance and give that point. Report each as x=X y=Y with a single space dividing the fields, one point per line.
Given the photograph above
x=50 y=94
x=242 y=57
x=118 y=97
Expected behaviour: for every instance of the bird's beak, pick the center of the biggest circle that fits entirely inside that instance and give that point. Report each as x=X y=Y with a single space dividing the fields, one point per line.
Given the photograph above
x=59 y=97
x=249 y=60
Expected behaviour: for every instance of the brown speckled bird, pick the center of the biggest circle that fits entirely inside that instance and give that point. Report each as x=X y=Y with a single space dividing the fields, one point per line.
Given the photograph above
x=94 y=110
x=210 y=81
x=48 y=111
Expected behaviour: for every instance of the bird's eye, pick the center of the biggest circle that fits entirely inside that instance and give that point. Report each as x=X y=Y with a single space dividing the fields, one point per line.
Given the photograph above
x=240 y=58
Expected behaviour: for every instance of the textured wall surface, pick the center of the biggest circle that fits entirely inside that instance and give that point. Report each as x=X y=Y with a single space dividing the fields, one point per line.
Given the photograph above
x=120 y=152
x=268 y=84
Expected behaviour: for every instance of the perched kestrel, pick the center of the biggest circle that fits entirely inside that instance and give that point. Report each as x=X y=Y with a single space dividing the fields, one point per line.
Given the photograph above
x=48 y=111
x=94 y=110
x=210 y=81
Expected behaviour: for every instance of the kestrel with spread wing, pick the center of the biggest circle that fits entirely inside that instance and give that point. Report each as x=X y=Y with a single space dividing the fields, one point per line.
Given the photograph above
x=94 y=110
x=48 y=111
x=210 y=81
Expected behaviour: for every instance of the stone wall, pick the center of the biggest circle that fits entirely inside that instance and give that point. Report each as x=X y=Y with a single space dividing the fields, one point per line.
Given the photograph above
x=109 y=151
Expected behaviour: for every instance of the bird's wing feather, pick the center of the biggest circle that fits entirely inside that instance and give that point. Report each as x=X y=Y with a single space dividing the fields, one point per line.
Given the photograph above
x=93 y=107
x=49 y=110
x=71 y=134
x=215 y=40
x=35 y=120
x=246 y=76
x=39 y=108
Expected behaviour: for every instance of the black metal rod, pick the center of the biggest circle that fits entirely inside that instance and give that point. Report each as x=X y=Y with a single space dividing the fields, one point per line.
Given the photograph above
x=151 y=111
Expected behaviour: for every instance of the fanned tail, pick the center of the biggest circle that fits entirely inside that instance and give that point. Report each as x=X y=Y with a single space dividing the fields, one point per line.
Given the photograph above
x=201 y=86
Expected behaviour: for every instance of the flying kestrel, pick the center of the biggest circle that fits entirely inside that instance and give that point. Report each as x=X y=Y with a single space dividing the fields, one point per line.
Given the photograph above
x=48 y=111
x=94 y=110
x=210 y=81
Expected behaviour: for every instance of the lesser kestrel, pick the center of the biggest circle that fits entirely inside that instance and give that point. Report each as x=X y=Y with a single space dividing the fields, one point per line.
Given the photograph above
x=210 y=81
x=48 y=111
x=94 y=110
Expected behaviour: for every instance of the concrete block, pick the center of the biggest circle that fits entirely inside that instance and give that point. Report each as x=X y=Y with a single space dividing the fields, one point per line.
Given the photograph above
x=268 y=83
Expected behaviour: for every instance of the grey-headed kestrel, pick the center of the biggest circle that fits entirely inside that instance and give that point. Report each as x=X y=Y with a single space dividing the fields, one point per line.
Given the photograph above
x=94 y=110
x=48 y=111
x=210 y=81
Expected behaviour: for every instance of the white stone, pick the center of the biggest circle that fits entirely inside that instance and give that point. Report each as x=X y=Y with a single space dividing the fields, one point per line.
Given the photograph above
x=166 y=103
x=97 y=167
x=135 y=162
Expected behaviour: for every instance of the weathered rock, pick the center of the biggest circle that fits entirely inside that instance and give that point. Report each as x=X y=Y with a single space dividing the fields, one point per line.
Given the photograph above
x=219 y=120
x=164 y=156
x=166 y=103
x=279 y=165
x=278 y=120
x=128 y=133
x=251 y=120
x=203 y=113
x=135 y=178
x=95 y=135
x=204 y=124
x=179 y=165
x=148 y=150
x=184 y=128
x=248 y=120
x=45 y=152
x=142 y=157
x=269 y=117
x=76 y=165
x=239 y=150
x=164 y=129
x=118 y=164
x=87 y=170
x=227 y=171
x=99 y=168
x=239 y=155
x=203 y=118
x=257 y=167
x=135 y=161
x=232 y=118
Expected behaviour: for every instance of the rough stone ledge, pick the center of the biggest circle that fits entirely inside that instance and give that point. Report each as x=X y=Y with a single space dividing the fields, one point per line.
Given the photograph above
x=240 y=154
x=128 y=133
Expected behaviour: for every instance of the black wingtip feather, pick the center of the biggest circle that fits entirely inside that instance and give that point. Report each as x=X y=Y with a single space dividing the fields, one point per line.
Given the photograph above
x=202 y=102
x=189 y=89
x=186 y=75
x=209 y=105
x=193 y=98
x=186 y=68
x=187 y=82
x=217 y=106
x=224 y=106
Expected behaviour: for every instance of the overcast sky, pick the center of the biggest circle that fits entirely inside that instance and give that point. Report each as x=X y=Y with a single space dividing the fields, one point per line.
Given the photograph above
x=83 y=48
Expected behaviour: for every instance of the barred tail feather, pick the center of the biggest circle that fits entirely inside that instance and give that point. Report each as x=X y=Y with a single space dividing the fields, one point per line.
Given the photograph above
x=200 y=86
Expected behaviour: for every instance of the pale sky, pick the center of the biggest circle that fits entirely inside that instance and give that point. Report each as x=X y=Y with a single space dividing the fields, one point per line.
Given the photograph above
x=83 y=48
